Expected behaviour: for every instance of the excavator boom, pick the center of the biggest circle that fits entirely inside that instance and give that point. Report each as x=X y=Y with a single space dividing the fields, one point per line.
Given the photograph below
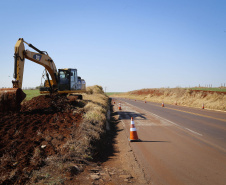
x=11 y=98
x=39 y=58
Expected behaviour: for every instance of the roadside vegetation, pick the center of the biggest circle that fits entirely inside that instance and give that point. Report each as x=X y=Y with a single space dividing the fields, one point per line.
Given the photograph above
x=220 y=89
x=112 y=93
x=94 y=122
x=84 y=144
x=181 y=96
x=31 y=93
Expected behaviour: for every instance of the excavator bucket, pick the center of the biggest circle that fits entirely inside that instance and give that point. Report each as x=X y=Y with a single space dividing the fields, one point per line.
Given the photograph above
x=10 y=99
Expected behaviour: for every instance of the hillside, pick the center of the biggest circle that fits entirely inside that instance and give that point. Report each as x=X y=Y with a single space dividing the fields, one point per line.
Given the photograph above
x=185 y=97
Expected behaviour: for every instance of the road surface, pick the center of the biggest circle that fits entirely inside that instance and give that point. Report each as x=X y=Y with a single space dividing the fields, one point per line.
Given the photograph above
x=180 y=145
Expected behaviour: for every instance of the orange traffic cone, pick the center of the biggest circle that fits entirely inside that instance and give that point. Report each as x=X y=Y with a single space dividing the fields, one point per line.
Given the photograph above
x=203 y=106
x=162 y=104
x=145 y=101
x=133 y=132
x=119 y=106
x=176 y=103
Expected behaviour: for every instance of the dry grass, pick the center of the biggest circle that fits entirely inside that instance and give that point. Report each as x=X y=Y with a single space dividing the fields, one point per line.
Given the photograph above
x=94 y=123
x=72 y=158
x=185 y=97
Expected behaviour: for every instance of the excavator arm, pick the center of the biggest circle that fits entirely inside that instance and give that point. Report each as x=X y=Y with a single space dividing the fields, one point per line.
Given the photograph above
x=41 y=58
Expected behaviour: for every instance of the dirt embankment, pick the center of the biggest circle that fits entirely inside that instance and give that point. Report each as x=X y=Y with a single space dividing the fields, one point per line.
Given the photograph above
x=187 y=97
x=55 y=141
x=38 y=131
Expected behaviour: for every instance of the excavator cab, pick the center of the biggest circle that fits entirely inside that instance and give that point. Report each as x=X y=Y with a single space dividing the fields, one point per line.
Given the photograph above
x=68 y=80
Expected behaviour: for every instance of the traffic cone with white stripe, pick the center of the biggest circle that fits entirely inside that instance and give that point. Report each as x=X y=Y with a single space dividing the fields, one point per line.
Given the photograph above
x=119 y=106
x=162 y=104
x=203 y=106
x=133 y=132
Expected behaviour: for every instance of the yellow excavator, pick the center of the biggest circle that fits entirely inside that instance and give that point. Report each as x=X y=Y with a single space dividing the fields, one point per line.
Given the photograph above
x=63 y=81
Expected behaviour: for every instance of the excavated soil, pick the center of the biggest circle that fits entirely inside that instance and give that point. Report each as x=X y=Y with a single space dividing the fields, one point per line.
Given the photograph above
x=41 y=129
x=42 y=121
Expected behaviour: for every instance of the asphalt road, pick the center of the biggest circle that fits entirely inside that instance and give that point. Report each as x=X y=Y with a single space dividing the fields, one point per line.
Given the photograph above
x=180 y=145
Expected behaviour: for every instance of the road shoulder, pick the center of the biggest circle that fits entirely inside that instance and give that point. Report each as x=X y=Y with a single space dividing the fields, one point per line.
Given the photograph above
x=121 y=166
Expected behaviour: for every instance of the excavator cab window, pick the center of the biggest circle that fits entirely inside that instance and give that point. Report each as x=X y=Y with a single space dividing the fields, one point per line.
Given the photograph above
x=74 y=81
x=64 y=80
x=63 y=74
x=72 y=76
x=67 y=79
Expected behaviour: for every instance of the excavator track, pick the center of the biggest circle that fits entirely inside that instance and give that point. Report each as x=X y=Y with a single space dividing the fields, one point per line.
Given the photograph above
x=10 y=99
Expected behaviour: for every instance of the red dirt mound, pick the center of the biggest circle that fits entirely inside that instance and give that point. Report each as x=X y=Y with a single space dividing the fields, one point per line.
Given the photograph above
x=209 y=92
x=27 y=137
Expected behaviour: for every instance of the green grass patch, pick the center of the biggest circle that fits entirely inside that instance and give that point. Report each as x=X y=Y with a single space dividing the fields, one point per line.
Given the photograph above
x=112 y=93
x=209 y=89
x=31 y=93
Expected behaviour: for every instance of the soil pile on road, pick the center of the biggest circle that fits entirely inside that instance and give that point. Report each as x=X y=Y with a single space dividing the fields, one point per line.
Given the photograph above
x=39 y=130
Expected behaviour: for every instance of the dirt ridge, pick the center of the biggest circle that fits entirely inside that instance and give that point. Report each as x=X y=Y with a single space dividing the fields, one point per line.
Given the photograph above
x=36 y=132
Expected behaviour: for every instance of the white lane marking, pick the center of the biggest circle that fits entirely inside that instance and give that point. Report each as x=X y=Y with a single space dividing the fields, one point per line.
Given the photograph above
x=192 y=131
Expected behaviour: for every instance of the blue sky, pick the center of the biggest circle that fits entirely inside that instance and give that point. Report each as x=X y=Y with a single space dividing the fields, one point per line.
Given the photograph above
x=122 y=45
